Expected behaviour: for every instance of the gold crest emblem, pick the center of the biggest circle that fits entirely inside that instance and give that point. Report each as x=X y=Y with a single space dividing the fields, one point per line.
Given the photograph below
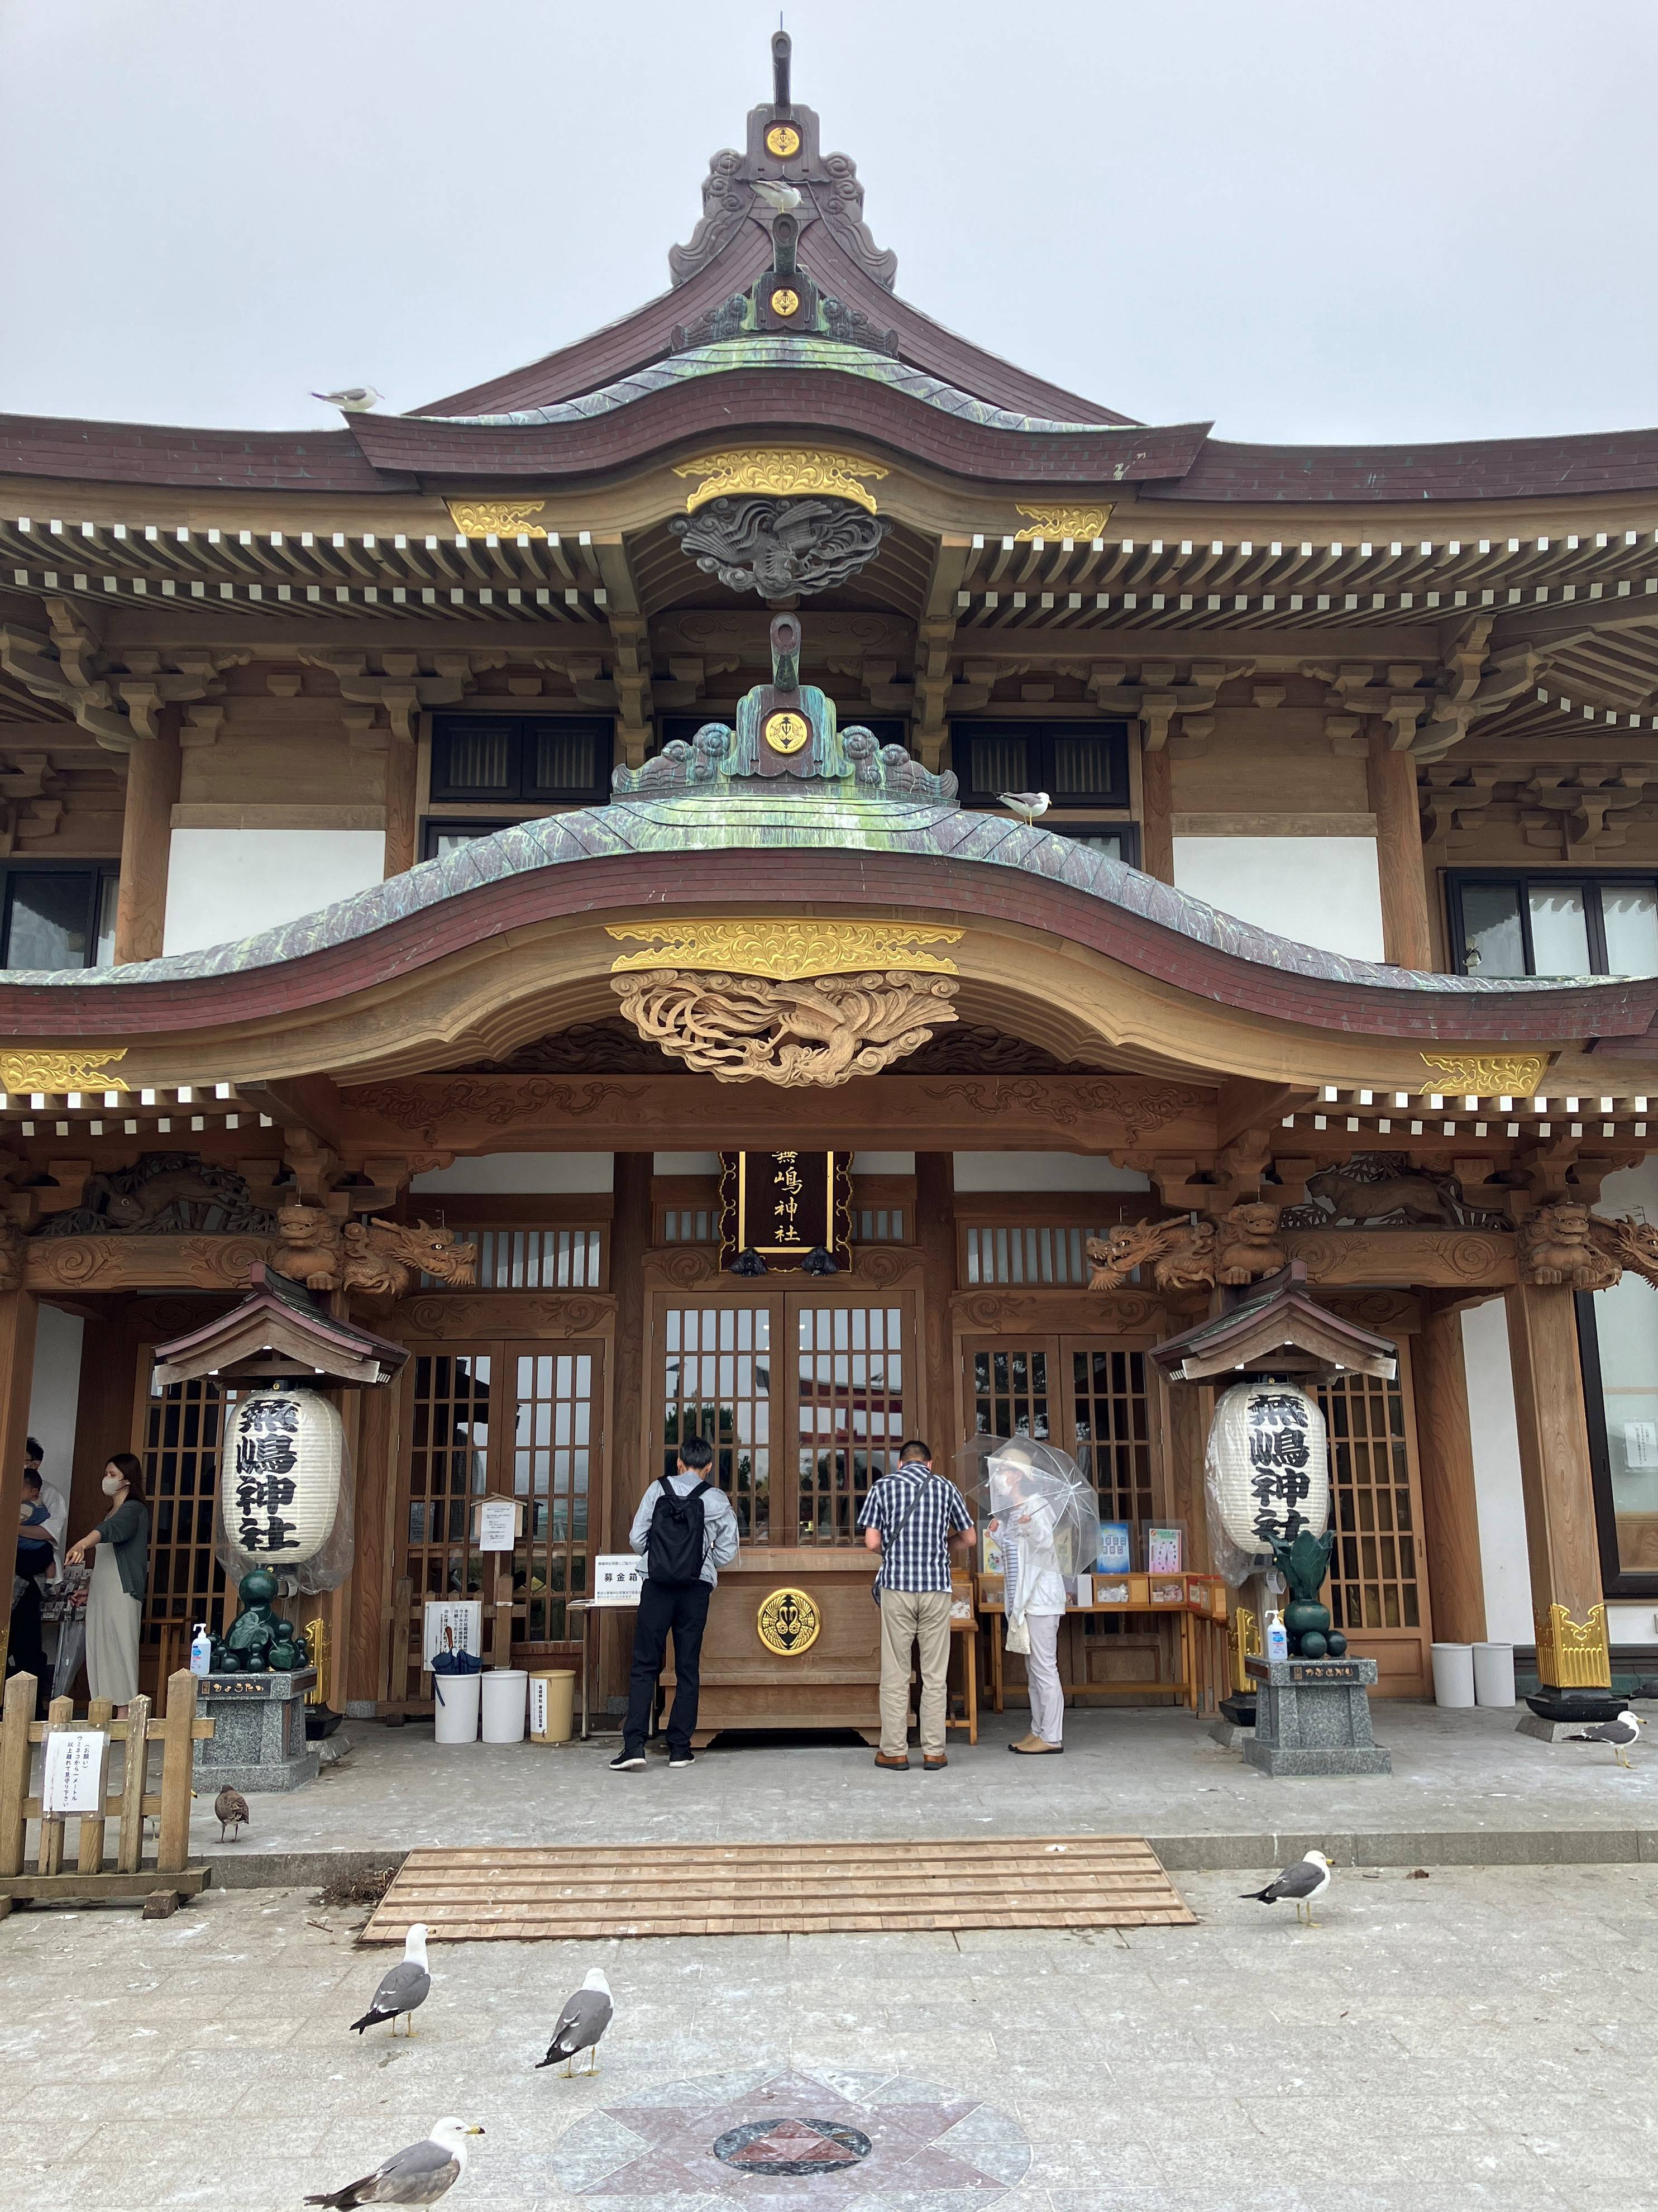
x=784 y=301
x=786 y=731
x=788 y=1622
x=782 y=141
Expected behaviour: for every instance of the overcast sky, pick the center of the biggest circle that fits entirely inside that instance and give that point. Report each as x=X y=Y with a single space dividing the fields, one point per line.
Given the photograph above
x=1398 y=220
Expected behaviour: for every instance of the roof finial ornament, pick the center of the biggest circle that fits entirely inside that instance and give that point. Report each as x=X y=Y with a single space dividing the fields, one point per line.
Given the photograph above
x=781 y=47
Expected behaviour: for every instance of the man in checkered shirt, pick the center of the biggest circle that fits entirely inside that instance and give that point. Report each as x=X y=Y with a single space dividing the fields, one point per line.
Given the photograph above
x=913 y=1518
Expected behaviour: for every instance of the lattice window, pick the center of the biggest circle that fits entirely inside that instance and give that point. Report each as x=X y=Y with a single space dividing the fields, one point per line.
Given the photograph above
x=879 y=1225
x=850 y=1399
x=1007 y=1253
x=1374 y=1567
x=690 y=1224
x=1112 y=1427
x=449 y=1466
x=553 y=1454
x=1010 y=1391
x=717 y=1384
x=533 y=1259
x=184 y=1427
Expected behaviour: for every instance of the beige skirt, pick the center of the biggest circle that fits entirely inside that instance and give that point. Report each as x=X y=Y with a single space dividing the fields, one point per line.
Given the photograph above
x=112 y=1632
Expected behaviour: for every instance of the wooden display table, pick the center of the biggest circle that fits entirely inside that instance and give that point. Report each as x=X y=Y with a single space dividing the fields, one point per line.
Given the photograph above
x=832 y=1681
x=1200 y=1609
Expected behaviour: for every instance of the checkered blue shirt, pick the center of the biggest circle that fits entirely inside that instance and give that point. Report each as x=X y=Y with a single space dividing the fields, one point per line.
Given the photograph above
x=917 y=1513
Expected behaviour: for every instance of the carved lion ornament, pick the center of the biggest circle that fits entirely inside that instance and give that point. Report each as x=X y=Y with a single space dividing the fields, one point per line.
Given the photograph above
x=821 y=1030
x=1190 y=1256
x=1564 y=1243
x=311 y=1248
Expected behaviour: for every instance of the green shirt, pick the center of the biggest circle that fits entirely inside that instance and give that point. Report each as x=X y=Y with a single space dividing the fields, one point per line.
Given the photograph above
x=127 y=1529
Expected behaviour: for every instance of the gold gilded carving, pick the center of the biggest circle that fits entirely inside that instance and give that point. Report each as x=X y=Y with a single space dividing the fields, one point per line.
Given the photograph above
x=786 y=732
x=784 y=301
x=1482 y=1075
x=1573 y=1655
x=819 y=1031
x=788 y=1622
x=497 y=518
x=382 y=1258
x=782 y=472
x=1061 y=522
x=782 y=141
x=57 y=1072
x=1243 y=1642
x=787 y=950
x=1557 y=1244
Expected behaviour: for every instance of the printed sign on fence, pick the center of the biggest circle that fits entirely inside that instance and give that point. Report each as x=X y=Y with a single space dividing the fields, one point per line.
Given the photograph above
x=73 y=1772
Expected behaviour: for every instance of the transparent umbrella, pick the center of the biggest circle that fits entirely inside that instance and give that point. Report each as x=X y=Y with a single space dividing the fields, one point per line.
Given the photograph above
x=1037 y=1501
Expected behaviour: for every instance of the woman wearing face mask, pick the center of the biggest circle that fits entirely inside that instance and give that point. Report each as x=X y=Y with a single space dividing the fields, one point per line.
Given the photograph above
x=120 y=1546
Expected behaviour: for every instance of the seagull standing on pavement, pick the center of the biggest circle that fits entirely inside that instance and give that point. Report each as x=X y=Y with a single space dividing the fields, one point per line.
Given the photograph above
x=1029 y=805
x=1306 y=1881
x=1619 y=1734
x=585 y=2018
x=351 y=398
x=419 y=2175
x=406 y=1985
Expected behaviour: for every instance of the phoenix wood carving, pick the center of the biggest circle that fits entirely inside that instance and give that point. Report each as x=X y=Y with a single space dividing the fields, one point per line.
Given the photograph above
x=821 y=1030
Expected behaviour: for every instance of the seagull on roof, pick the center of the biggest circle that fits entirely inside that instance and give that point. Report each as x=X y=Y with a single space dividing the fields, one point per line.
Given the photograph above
x=585 y=2018
x=351 y=398
x=781 y=199
x=406 y=1985
x=419 y=2175
x=1029 y=805
x=1619 y=1734
x=1305 y=1881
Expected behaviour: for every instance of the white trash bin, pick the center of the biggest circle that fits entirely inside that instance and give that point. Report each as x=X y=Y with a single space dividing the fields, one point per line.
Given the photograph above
x=455 y=1707
x=1453 y=1673
x=1493 y=1673
x=505 y=1696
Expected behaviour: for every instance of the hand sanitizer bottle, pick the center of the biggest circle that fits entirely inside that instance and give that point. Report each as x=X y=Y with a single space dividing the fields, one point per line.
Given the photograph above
x=201 y=1650
x=1277 y=1637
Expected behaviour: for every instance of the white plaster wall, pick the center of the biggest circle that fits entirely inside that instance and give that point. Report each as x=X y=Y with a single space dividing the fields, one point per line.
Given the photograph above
x=224 y=885
x=1320 y=891
x=1043 y=1171
x=581 y=1172
x=1503 y=1562
x=56 y=1391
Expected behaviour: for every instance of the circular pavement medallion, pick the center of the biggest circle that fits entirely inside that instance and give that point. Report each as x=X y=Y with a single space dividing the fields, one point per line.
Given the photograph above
x=819 y=2137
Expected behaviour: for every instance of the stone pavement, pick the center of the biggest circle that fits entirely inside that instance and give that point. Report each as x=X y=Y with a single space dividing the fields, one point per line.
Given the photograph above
x=1465 y=1789
x=1480 y=2038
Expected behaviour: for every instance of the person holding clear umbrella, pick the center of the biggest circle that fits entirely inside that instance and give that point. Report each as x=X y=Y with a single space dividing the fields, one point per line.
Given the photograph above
x=1047 y=1518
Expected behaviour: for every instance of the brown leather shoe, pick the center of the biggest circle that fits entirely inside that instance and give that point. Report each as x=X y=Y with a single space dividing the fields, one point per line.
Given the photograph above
x=932 y=1766
x=900 y=1765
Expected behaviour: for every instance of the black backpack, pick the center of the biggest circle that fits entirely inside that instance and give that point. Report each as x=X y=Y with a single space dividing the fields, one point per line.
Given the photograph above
x=673 y=1551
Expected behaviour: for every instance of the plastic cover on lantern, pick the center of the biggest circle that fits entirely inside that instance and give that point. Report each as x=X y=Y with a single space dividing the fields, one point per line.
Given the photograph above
x=1230 y=1472
x=1004 y=1474
x=327 y=1567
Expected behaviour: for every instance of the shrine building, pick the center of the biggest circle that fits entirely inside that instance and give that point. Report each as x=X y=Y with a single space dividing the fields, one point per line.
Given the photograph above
x=854 y=893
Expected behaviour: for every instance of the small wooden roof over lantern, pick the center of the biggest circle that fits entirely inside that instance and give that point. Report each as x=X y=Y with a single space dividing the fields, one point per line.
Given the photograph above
x=1278 y=1328
x=279 y=1330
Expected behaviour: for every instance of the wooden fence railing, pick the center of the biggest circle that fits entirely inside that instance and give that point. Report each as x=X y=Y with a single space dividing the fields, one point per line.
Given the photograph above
x=165 y=1878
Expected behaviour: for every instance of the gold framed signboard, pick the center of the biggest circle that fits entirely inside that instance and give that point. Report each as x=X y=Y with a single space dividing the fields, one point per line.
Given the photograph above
x=784 y=1207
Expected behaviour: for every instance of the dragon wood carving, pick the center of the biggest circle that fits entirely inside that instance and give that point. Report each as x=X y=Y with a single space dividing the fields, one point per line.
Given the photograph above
x=819 y=1031
x=1191 y=1255
x=383 y=1258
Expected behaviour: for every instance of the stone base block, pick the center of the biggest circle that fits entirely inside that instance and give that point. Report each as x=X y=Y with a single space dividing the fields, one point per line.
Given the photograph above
x=1354 y=1759
x=1229 y=1735
x=258 y=1740
x=1533 y=1724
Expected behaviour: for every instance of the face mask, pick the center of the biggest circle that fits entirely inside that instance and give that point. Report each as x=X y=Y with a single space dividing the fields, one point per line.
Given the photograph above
x=111 y=1484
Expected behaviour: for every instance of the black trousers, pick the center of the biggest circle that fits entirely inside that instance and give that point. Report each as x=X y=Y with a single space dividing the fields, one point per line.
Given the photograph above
x=26 y=1653
x=684 y=1612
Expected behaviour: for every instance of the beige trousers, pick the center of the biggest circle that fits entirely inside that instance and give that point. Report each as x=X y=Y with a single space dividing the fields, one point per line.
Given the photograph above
x=921 y=1618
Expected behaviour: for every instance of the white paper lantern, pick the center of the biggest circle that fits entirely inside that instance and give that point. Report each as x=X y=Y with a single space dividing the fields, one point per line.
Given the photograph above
x=1269 y=1465
x=280 y=1487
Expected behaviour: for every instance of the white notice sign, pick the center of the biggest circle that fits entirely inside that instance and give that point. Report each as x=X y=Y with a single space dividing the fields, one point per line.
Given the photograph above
x=1640 y=1446
x=497 y=1524
x=452 y=1625
x=74 y=1769
x=616 y=1578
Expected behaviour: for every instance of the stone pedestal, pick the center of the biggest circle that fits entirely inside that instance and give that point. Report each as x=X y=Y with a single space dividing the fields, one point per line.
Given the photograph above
x=1313 y=1717
x=258 y=1740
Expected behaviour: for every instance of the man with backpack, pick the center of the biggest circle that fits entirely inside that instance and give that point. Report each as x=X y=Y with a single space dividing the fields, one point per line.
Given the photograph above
x=685 y=1531
x=913 y=1518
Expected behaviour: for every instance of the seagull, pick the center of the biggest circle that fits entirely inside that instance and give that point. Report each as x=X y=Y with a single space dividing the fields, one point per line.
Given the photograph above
x=1306 y=1881
x=781 y=199
x=419 y=2175
x=1619 y=1734
x=1029 y=805
x=406 y=1985
x=585 y=2018
x=351 y=398
x=230 y=1809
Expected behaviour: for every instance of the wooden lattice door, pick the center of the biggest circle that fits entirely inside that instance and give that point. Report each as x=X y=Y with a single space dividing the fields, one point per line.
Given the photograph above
x=181 y=1429
x=1378 y=1588
x=1085 y=1396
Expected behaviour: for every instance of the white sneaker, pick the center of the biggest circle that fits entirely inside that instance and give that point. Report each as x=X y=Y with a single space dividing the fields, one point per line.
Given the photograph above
x=682 y=1758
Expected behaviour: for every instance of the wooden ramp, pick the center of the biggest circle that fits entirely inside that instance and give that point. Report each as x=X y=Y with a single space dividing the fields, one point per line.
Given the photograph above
x=779 y=1889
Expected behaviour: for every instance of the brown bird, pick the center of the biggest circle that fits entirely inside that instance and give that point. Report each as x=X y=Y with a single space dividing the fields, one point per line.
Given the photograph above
x=231 y=1808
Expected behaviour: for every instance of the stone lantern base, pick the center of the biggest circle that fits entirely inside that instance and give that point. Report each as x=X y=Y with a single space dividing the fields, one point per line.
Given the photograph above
x=258 y=1740
x=1313 y=1717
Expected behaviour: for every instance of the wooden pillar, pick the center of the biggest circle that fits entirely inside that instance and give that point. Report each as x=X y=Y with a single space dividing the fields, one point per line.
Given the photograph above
x=1157 y=815
x=152 y=791
x=1445 y=1450
x=1567 y=1600
x=935 y=1235
x=631 y=1235
x=1407 y=937
x=17 y=1317
x=401 y=764
x=1187 y=1409
x=360 y=1666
